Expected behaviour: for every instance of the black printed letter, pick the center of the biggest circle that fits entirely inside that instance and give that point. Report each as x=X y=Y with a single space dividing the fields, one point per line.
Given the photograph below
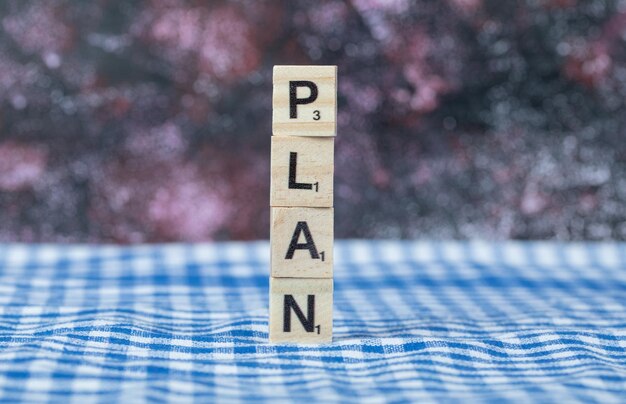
x=308 y=322
x=293 y=97
x=293 y=162
x=302 y=227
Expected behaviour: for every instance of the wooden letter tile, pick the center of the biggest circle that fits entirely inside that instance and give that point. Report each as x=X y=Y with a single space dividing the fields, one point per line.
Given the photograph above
x=302 y=171
x=302 y=242
x=301 y=310
x=305 y=100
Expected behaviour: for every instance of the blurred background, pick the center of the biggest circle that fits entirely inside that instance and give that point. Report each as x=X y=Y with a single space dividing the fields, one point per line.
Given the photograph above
x=150 y=120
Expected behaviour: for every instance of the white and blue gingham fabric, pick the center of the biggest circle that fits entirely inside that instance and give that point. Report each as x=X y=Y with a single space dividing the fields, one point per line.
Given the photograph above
x=414 y=321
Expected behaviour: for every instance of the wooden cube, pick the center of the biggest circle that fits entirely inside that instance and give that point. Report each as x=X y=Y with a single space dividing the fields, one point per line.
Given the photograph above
x=301 y=310
x=302 y=242
x=302 y=171
x=305 y=101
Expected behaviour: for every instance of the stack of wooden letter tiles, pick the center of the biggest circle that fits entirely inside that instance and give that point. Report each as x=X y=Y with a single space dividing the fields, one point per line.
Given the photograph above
x=301 y=199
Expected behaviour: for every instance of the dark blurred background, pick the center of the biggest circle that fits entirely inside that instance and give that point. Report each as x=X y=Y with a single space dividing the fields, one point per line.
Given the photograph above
x=145 y=121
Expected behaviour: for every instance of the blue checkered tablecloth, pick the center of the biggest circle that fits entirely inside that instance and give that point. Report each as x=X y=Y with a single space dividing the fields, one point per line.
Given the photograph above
x=414 y=321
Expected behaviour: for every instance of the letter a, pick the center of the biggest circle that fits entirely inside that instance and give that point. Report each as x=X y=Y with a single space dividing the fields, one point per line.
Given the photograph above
x=302 y=227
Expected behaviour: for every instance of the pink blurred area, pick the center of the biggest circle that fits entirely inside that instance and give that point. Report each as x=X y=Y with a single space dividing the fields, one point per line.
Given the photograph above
x=150 y=121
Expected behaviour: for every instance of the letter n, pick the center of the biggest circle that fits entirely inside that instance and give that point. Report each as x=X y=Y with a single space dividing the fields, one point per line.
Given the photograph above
x=307 y=322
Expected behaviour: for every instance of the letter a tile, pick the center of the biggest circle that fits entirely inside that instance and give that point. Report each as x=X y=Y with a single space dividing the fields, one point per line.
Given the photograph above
x=302 y=171
x=305 y=101
x=301 y=310
x=302 y=242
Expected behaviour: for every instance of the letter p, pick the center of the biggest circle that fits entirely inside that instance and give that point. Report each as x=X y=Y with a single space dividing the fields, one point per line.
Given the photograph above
x=294 y=101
